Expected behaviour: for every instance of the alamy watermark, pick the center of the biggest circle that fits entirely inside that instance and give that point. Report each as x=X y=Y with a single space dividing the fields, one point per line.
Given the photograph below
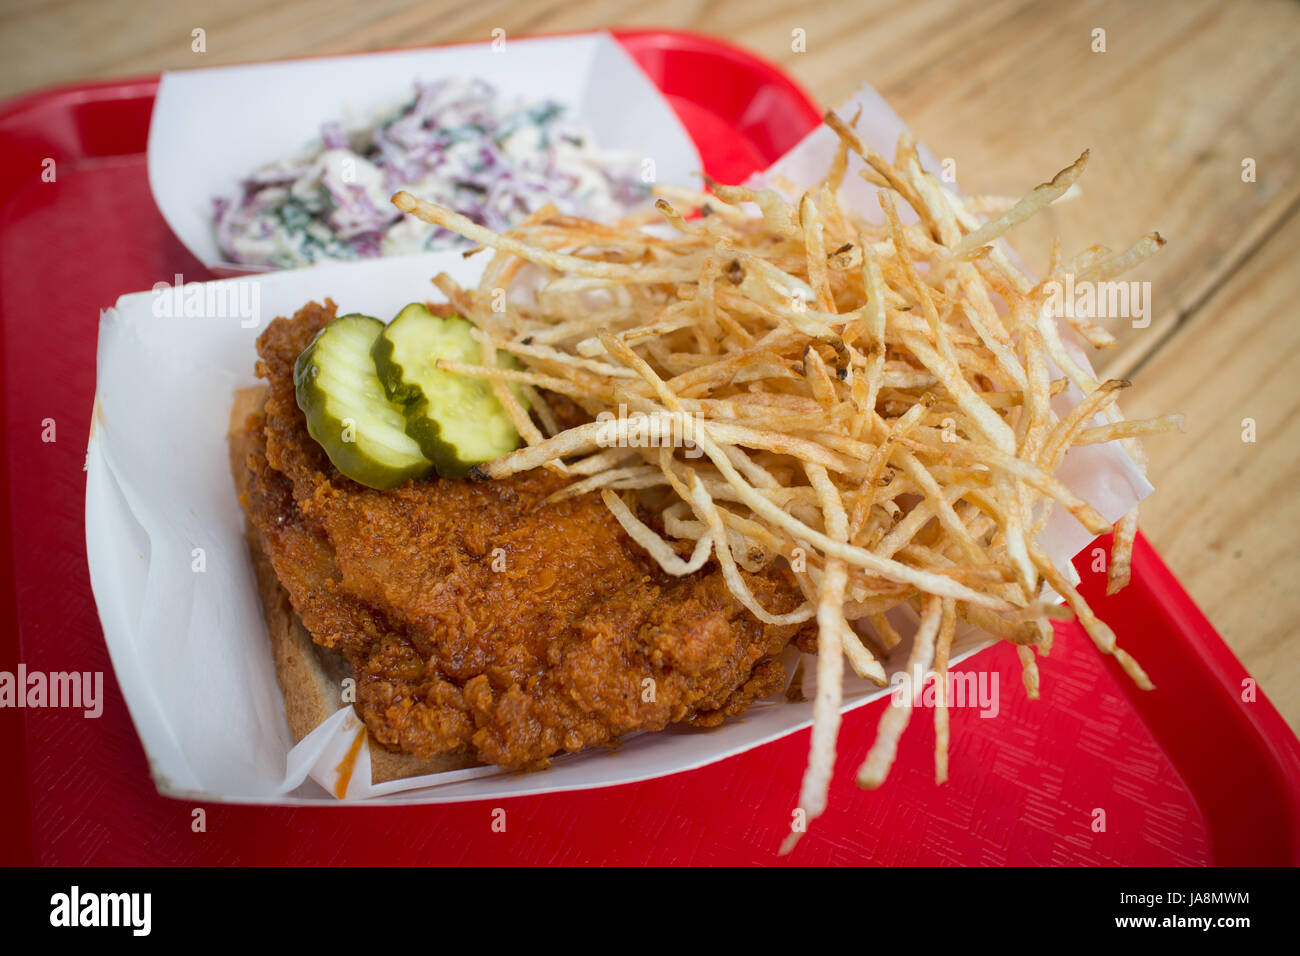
x=977 y=689
x=1100 y=300
x=649 y=430
x=232 y=299
x=82 y=690
x=76 y=908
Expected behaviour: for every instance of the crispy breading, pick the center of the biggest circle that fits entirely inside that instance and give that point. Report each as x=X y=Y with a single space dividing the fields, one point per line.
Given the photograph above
x=478 y=618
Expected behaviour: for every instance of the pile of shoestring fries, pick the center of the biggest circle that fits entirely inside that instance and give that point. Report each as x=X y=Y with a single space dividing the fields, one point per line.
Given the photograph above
x=872 y=401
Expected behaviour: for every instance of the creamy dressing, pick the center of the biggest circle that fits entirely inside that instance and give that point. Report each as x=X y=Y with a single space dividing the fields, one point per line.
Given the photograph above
x=455 y=144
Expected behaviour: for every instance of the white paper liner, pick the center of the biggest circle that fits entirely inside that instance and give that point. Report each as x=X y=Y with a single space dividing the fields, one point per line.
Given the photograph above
x=190 y=649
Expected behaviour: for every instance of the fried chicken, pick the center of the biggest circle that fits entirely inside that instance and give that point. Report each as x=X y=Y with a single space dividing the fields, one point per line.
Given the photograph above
x=479 y=619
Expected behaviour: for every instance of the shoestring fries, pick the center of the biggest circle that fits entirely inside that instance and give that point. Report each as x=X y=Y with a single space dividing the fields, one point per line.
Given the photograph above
x=867 y=402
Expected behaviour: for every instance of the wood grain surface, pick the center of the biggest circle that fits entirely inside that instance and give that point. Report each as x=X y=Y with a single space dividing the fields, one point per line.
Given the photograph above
x=1183 y=94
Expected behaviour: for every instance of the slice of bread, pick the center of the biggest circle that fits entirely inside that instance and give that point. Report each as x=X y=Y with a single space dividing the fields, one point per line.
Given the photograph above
x=310 y=676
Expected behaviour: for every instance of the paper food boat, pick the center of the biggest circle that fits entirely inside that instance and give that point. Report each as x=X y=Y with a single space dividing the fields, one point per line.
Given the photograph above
x=210 y=128
x=190 y=647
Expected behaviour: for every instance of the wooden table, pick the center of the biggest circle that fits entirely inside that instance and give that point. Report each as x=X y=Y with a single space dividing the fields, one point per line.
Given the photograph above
x=1183 y=94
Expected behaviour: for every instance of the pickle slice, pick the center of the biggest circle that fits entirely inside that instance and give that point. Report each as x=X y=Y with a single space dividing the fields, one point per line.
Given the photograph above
x=348 y=412
x=455 y=419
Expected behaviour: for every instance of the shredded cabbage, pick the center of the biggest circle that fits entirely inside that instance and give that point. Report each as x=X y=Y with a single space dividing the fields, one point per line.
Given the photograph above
x=455 y=143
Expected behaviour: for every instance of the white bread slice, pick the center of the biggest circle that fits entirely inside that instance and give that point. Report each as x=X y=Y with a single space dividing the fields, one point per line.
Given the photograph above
x=310 y=676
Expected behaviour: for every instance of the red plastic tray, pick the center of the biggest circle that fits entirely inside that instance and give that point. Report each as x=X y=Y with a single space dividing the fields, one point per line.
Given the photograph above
x=1189 y=774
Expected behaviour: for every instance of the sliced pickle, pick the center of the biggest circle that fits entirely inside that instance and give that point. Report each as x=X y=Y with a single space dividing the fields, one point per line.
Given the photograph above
x=455 y=419
x=348 y=412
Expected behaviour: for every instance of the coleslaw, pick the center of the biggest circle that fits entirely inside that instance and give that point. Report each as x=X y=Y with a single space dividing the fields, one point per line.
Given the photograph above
x=455 y=142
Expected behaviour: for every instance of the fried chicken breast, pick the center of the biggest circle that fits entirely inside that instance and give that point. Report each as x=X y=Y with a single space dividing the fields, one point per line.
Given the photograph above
x=479 y=619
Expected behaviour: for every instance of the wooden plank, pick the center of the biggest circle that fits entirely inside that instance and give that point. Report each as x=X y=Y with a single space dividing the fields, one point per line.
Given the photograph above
x=1226 y=512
